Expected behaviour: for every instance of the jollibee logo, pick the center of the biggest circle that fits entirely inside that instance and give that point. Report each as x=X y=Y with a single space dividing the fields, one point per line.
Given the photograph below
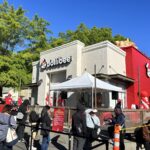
x=43 y=63
x=147 y=69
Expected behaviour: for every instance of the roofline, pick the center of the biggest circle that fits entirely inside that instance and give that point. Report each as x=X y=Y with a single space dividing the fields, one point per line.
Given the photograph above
x=137 y=50
x=62 y=46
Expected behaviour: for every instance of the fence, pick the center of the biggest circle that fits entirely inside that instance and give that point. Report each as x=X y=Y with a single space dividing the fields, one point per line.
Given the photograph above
x=33 y=128
x=134 y=118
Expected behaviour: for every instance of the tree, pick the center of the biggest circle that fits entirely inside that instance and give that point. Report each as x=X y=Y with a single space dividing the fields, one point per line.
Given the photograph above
x=12 y=70
x=18 y=32
x=89 y=36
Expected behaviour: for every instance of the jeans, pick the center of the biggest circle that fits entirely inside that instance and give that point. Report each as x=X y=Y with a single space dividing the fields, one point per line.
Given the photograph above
x=147 y=146
x=20 y=131
x=3 y=146
x=78 y=143
x=45 y=142
x=89 y=140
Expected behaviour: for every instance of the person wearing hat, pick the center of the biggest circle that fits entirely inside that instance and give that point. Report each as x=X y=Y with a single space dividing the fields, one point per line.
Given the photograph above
x=92 y=121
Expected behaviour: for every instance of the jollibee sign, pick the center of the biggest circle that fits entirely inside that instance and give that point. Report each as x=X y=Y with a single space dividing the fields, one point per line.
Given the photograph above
x=55 y=63
x=147 y=69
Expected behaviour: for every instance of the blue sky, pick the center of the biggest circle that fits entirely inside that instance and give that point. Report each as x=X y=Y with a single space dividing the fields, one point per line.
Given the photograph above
x=130 y=18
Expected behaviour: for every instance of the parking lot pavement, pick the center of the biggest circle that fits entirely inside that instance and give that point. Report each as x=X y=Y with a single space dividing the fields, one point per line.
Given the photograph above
x=20 y=146
x=61 y=142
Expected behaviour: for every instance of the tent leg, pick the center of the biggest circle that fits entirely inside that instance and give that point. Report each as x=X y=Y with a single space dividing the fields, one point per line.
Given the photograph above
x=92 y=97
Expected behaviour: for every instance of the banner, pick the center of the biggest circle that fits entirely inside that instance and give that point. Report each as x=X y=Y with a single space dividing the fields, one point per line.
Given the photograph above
x=58 y=120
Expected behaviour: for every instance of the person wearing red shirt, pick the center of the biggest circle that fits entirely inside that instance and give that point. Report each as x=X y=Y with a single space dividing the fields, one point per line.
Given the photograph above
x=8 y=99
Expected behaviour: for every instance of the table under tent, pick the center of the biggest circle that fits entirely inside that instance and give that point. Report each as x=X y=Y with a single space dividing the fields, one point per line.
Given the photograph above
x=86 y=88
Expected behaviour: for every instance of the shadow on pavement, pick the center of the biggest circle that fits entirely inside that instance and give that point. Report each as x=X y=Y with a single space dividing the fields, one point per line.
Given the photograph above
x=59 y=146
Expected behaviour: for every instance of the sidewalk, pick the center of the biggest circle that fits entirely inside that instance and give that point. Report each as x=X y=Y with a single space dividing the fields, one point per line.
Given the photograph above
x=60 y=142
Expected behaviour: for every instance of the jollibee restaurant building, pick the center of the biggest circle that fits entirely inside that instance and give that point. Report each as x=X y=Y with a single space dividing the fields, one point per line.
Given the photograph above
x=125 y=67
x=71 y=60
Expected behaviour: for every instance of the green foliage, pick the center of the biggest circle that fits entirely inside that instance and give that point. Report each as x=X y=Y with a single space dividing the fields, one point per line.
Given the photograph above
x=119 y=38
x=38 y=33
x=16 y=30
x=12 y=70
x=88 y=36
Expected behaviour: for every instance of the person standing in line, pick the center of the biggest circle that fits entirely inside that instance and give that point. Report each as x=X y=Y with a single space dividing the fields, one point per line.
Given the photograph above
x=91 y=121
x=79 y=127
x=146 y=135
x=6 y=120
x=24 y=109
x=119 y=118
x=46 y=125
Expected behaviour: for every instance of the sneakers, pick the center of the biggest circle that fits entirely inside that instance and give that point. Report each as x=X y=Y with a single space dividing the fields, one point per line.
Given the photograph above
x=22 y=140
x=34 y=148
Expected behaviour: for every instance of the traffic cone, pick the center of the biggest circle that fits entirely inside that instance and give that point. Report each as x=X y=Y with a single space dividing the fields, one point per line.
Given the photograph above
x=117 y=137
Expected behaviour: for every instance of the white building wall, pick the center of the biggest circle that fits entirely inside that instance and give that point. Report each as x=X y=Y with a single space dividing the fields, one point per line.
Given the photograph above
x=116 y=60
x=108 y=58
x=35 y=71
x=94 y=55
x=73 y=49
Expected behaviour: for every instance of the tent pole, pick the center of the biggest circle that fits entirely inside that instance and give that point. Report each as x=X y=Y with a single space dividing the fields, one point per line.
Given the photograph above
x=92 y=97
x=95 y=100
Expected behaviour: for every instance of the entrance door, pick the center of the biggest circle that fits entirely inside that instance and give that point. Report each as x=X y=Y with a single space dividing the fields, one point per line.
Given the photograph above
x=55 y=78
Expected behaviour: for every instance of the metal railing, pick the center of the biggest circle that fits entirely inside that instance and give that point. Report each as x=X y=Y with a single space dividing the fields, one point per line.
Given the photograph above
x=133 y=117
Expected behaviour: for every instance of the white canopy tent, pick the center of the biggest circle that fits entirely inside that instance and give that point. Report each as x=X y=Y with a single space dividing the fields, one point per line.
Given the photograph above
x=85 y=81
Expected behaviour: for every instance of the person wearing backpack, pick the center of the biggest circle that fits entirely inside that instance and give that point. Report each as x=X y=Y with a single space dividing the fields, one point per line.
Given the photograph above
x=93 y=127
x=6 y=120
x=79 y=127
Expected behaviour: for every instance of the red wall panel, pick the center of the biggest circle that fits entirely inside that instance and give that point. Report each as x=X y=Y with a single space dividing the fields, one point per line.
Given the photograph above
x=135 y=68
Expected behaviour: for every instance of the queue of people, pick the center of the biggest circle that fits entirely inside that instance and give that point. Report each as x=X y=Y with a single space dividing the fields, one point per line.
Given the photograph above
x=85 y=122
x=18 y=119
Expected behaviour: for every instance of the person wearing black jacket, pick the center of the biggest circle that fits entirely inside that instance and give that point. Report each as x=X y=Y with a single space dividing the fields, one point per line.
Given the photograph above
x=119 y=118
x=46 y=125
x=79 y=127
x=24 y=109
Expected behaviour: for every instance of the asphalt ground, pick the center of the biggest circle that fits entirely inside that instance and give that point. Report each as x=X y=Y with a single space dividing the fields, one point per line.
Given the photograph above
x=61 y=142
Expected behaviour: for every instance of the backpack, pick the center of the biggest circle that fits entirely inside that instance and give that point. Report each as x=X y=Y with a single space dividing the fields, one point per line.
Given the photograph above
x=33 y=117
x=138 y=132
